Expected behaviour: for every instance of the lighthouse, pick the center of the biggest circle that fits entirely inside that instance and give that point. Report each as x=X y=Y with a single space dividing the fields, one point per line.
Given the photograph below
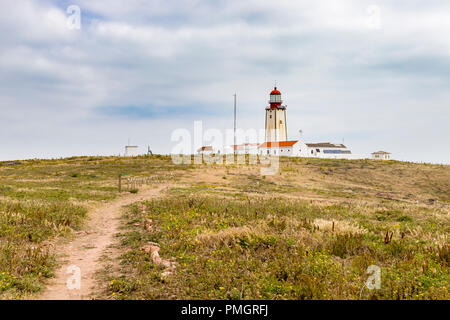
x=276 y=137
x=276 y=126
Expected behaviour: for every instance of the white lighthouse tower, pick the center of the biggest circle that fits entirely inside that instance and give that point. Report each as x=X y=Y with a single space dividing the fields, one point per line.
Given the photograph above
x=276 y=126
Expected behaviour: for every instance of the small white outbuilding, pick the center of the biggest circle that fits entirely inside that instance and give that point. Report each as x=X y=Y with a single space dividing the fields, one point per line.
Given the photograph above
x=131 y=151
x=246 y=148
x=381 y=155
x=205 y=150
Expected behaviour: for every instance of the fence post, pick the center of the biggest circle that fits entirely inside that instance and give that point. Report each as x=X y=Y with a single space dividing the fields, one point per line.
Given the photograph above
x=120 y=183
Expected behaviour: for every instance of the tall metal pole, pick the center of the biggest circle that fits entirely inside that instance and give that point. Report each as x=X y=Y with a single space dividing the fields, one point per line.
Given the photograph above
x=234 y=146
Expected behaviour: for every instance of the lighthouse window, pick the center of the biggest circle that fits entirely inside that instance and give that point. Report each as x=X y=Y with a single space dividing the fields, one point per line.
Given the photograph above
x=281 y=122
x=270 y=116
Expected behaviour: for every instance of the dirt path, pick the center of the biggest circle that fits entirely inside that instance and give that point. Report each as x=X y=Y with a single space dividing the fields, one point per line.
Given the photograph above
x=86 y=250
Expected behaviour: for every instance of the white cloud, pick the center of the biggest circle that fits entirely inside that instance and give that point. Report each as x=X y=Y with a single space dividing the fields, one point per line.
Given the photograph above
x=182 y=61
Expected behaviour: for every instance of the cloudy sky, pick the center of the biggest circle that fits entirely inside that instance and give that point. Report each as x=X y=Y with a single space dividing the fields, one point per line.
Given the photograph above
x=374 y=73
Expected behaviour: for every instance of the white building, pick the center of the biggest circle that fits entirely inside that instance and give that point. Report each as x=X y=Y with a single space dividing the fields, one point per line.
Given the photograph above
x=131 y=151
x=278 y=144
x=280 y=148
x=295 y=148
x=381 y=155
x=246 y=148
x=326 y=150
x=208 y=150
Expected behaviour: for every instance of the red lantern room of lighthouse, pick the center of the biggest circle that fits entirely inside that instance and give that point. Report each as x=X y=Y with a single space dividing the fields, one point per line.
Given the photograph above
x=276 y=126
x=275 y=98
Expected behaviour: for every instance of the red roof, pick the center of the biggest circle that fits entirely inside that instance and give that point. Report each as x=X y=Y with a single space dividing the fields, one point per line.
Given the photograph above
x=275 y=91
x=205 y=148
x=278 y=144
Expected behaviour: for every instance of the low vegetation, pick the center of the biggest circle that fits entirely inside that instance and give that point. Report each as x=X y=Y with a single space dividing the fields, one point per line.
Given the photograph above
x=277 y=249
x=309 y=232
x=42 y=200
x=306 y=233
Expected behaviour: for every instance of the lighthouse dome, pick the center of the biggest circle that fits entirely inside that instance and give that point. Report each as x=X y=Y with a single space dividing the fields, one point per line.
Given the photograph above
x=275 y=98
x=275 y=91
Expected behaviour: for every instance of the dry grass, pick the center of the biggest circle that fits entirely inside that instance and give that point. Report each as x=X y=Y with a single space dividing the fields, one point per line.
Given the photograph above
x=239 y=235
x=43 y=200
x=309 y=232
x=227 y=236
x=338 y=227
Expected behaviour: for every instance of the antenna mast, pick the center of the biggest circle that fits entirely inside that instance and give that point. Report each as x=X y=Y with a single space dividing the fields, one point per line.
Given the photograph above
x=234 y=145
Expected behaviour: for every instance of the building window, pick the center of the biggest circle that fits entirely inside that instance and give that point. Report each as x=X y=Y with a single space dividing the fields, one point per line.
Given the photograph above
x=267 y=151
x=312 y=151
x=318 y=150
x=281 y=122
x=274 y=151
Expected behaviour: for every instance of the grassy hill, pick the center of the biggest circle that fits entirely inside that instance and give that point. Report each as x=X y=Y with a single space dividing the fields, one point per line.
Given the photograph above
x=308 y=232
